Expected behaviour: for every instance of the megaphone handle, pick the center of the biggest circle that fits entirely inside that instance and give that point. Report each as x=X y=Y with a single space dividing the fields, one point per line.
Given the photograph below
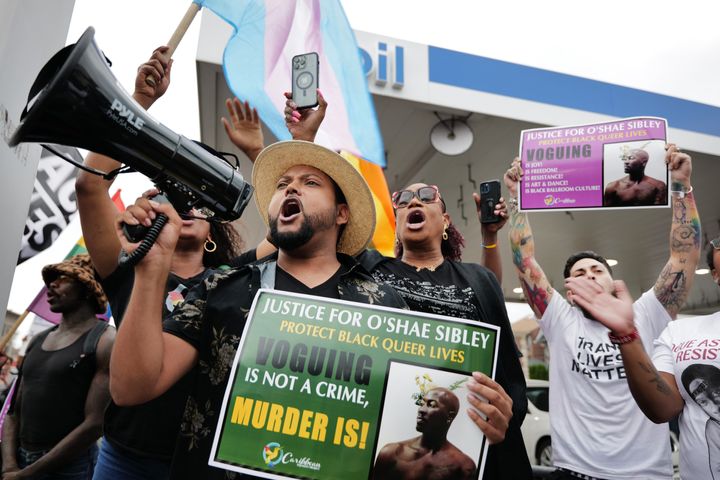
x=127 y=260
x=179 y=33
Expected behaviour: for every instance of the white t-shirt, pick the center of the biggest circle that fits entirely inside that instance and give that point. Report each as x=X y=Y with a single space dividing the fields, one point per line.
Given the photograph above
x=695 y=341
x=597 y=428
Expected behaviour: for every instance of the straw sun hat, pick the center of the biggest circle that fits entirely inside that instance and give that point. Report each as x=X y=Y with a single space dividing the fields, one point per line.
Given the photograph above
x=276 y=159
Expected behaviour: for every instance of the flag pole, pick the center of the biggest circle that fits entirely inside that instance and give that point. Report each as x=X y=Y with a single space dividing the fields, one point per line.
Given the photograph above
x=178 y=35
x=182 y=27
x=9 y=334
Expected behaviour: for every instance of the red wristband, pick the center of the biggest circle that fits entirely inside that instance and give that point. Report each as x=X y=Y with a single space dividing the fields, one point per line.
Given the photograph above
x=623 y=339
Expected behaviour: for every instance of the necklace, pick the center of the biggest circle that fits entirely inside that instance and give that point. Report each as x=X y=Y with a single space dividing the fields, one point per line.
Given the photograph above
x=430 y=268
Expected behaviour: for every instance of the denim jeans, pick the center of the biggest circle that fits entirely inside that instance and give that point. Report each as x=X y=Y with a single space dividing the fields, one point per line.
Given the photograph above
x=114 y=464
x=80 y=468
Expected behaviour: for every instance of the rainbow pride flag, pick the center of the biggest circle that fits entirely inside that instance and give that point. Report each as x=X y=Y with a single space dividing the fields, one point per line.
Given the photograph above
x=384 y=237
x=257 y=60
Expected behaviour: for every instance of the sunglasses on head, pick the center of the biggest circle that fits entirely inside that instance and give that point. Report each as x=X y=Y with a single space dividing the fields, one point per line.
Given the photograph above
x=429 y=194
x=202 y=213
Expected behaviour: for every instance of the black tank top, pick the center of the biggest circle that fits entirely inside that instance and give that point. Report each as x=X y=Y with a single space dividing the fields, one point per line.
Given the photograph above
x=55 y=385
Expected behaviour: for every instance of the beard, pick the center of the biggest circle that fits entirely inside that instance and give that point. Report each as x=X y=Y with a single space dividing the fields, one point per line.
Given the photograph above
x=298 y=238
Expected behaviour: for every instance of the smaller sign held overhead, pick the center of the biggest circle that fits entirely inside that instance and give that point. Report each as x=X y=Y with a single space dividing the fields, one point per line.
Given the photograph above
x=618 y=164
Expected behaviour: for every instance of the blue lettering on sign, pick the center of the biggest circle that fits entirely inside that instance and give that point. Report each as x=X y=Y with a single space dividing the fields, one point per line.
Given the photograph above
x=382 y=70
x=399 y=67
x=366 y=60
x=389 y=65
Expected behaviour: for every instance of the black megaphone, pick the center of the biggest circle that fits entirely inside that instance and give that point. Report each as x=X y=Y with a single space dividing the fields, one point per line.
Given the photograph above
x=77 y=101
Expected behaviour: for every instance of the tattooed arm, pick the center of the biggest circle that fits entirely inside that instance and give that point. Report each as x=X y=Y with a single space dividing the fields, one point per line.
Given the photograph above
x=675 y=280
x=535 y=284
x=656 y=393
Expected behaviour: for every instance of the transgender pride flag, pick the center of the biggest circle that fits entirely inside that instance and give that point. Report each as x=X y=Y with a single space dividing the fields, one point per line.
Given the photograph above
x=257 y=59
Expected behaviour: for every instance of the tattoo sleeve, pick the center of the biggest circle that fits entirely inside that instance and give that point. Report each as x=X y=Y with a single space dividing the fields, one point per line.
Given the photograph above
x=532 y=279
x=675 y=280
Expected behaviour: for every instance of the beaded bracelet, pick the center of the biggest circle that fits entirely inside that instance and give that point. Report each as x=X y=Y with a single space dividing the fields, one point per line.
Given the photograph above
x=623 y=339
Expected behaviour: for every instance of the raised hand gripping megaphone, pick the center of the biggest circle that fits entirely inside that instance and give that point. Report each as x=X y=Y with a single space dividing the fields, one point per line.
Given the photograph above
x=77 y=101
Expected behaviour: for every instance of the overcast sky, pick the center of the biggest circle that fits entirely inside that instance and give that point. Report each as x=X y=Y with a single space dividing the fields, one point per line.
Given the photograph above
x=663 y=46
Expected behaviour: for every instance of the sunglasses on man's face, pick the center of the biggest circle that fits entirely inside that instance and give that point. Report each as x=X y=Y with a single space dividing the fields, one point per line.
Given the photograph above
x=429 y=194
x=715 y=242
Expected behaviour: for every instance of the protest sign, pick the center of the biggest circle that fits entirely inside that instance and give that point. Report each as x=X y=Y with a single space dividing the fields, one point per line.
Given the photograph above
x=619 y=164
x=319 y=386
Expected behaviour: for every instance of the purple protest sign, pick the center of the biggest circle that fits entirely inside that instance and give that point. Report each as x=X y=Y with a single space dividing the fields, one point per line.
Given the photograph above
x=619 y=164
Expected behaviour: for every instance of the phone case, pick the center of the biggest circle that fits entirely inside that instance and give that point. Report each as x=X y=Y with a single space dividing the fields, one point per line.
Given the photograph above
x=489 y=197
x=305 y=79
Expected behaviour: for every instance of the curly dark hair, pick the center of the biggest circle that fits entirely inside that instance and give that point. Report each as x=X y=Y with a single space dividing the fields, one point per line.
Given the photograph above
x=228 y=241
x=576 y=257
x=451 y=248
x=229 y=245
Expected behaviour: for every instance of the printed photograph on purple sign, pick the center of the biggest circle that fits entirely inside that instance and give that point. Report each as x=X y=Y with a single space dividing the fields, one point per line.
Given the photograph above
x=635 y=174
x=618 y=164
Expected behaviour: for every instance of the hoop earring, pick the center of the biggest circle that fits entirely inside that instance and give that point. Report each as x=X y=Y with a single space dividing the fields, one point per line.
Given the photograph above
x=397 y=242
x=209 y=246
x=445 y=234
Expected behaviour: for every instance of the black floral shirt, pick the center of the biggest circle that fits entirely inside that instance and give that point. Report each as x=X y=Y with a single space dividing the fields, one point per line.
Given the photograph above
x=212 y=320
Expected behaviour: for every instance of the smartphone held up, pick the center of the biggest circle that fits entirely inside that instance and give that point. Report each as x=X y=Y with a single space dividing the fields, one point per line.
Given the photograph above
x=305 y=79
x=489 y=198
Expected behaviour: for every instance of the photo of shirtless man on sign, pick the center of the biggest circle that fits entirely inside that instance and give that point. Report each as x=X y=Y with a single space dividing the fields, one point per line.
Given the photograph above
x=636 y=188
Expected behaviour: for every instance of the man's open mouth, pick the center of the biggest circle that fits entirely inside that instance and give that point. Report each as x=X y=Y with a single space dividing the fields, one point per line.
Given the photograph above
x=289 y=209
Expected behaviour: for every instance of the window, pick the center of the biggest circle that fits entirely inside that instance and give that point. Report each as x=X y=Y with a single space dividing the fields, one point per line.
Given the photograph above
x=539 y=396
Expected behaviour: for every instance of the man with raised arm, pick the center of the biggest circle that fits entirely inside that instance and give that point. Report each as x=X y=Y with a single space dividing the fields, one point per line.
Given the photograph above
x=683 y=375
x=597 y=430
x=139 y=441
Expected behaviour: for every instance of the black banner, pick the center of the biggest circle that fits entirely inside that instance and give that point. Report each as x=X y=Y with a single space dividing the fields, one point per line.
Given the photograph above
x=53 y=202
